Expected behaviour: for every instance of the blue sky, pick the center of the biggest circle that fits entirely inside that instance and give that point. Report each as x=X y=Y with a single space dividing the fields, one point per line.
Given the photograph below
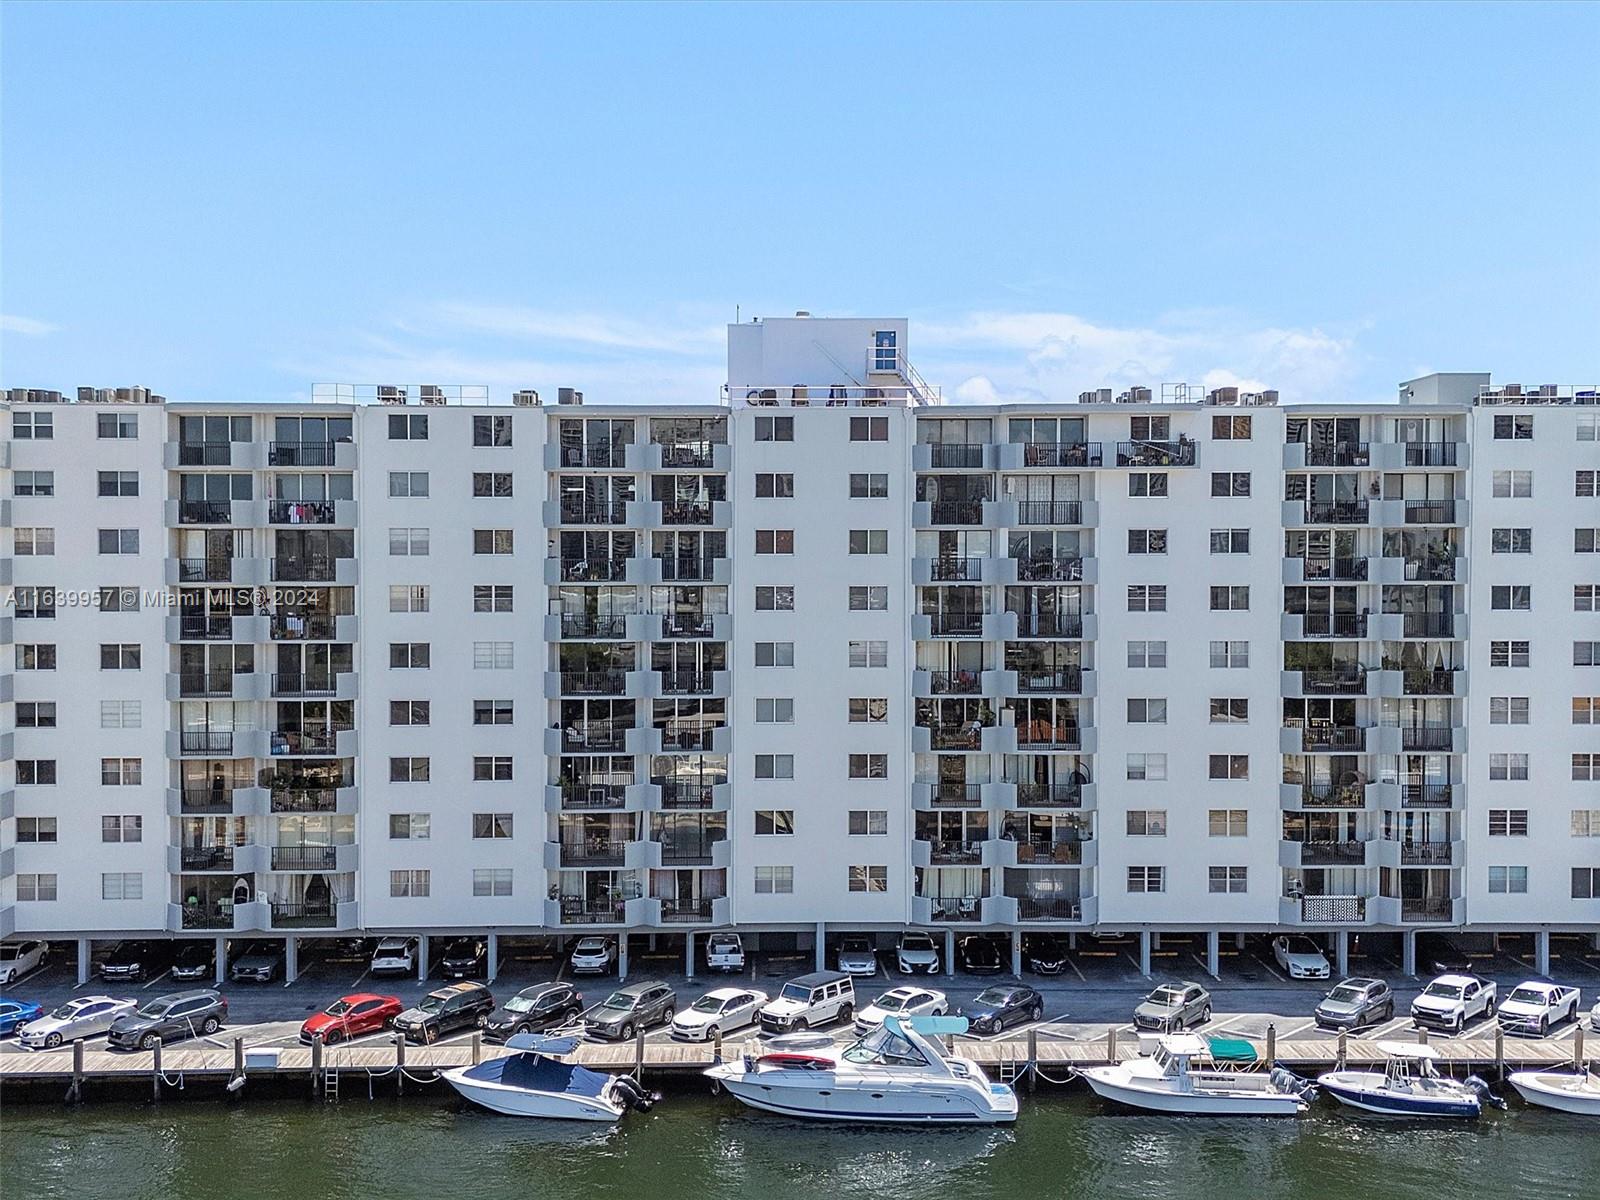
x=236 y=202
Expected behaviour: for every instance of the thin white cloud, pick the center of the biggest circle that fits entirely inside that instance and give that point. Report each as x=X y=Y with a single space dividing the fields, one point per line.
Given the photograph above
x=593 y=330
x=26 y=326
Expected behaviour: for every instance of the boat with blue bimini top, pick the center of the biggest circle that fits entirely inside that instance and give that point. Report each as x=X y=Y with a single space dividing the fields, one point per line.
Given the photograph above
x=897 y=1074
x=532 y=1081
x=1409 y=1086
x=1188 y=1075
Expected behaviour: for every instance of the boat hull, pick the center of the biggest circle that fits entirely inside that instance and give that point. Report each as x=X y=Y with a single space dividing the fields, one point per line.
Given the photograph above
x=1554 y=1089
x=520 y=1102
x=1380 y=1101
x=827 y=1100
x=1194 y=1104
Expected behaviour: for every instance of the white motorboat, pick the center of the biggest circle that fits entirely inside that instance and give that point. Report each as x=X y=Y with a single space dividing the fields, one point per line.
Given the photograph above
x=533 y=1082
x=898 y=1074
x=1168 y=1082
x=1568 y=1091
x=1409 y=1086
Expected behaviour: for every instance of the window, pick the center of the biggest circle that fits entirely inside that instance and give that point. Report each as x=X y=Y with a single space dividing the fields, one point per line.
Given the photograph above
x=1586 y=597
x=869 y=766
x=1508 y=710
x=1147 y=879
x=1230 y=599
x=1147 y=654
x=496 y=484
x=39 y=602
x=408 y=427
x=1585 y=710
x=1147 y=766
x=774 y=711
x=491 y=712
x=774 y=881
x=408 y=543
x=1516 y=484
x=1585 y=768
x=1584 y=484
x=36 y=829
x=868 y=710
x=1588 y=428
x=39 y=542
x=409 y=883
x=1230 y=655
x=869 y=879
x=1508 y=822
x=118 y=483
x=1511 y=597
x=491 y=430
x=33 y=426
x=1585 y=883
x=409 y=827
x=774 y=654
x=1230 y=483
x=412 y=655
x=870 y=486
x=1228 y=766
x=1147 y=822
x=118 y=714
x=1510 y=766
x=1150 y=429
x=122 y=829
x=868 y=654
x=774 y=485
x=775 y=598
x=1511 y=541
x=774 y=429
x=492 y=826
x=491 y=881
x=1228 y=879
x=491 y=597
x=1228 y=822
x=118 y=599
x=1586 y=822
x=408 y=597
x=1230 y=429
x=36 y=714
x=119 y=541
x=774 y=766
x=39 y=656
x=869 y=541
x=1585 y=541
x=1147 y=541
x=774 y=822
x=120 y=426
x=122 y=885
x=774 y=541
x=33 y=483
x=492 y=541
x=1230 y=541
x=1147 y=712
x=1147 y=483
x=36 y=887
x=121 y=772
x=869 y=599
x=869 y=429
x=409 y=712
x=1586 y=654
x=1508 y=654
x=491 y=656
x=408 y=770
x=1147 y=597
x=867 y=822
x=120 y=656
x=488 y=768
x=1513 y=428
x=1508 y=881
x=1230 y=710
x=408 y=483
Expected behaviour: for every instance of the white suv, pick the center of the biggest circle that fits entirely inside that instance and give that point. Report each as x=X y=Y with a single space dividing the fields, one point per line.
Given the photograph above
x=809 y=1001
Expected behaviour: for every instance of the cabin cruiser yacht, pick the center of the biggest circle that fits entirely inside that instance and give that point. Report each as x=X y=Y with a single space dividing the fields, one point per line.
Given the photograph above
x=899 y=1073
x=1568 y=1091
x=1168 y=1082
x=1409 y=1086
x=533 y=1082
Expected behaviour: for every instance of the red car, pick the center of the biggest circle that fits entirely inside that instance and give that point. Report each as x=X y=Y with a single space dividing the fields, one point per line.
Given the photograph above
x=351 y=1016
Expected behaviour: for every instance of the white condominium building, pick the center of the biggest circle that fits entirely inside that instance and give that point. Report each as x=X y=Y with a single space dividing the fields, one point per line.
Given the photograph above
x=823 y=654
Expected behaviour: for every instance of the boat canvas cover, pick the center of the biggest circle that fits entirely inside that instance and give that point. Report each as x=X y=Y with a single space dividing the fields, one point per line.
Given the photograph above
x=1231 y=1050
x=537 y=1074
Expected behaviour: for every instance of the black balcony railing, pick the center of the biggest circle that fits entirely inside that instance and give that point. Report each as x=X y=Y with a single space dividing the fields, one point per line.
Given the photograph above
x=1049 y=795
x=689 y=848
x=956 y=512
x=205 y=454
x=1319 y=738
x=205 y=629
x=1430 y=570
x=203 y=801
x=1427 y=795
x=1061 y=679
x=1333 y=625
x=1432 y=908
x=957 y=570
x=957 y=795
x=1428 y=683
x=955 y=908
x=578 y=910
x=955 y=683
x=205 y=742
x=596 y=735
x=1338 y=454
x=205 y=512
x=1336 y=512
x=1061 y=454
x=319 y=914
x=1049 y=625
x=592 y=625
x=308 y=800
x=205 y=570
x=680 y=795
x=1049 y=570
x=201 y=917
x=1425 y=854
x=1426 y=737
x=691 y=739
x=688 y=625
x=596 y=513
x=686 y=683
x=1332 y=854
x=205 y=683
x=206 y=858
x=592 y=852
x=687 y=457
x=1336 y=681
x=304 y=741
x=1428 y=625
x=291 y=683
x=1061 y=852
x=1049 y=512
x=595 y=454
x=961 y=736
x=1156 y=454
x=1048 y=908
x=955 y=624
x=677 y=569
x=593 y=683
x=1332 y=795
x=686 y=512
x=686 y=910
x=303 y=570
x=1430 y=454
x=1354 y=569
x=301 y=512
x=951 y=454
x=304 y=858
x=580 y=794
x=307 y=627
x=593 y=570
x=301 y=454
x=1042 y=733
x=1431 y=512
x=947 y=853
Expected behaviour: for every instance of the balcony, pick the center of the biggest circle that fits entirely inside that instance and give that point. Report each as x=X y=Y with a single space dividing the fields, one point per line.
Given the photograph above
x=200 y=454
x=1324 y=854
x=948 y=569
x=1049 y=512
x=595 y=737
x=709 y=739
x=708 y=514
x=947 y=795
x=948 y=683
x=205 y=858
x=572 y=626
x=591 y=683
x=988 y=739
x=1395 y=852
x=571 y=512
x=1324 y=738
x=298 y=914
x=1438 y=739
x=945 y=513
x=1432 y=512
x=588 y=570
x=313 y=627
x=1050 y=570
x=1181 y=453
x=701 y=909
x=946 y=910
x=1297 y=455
x=1302 y=627
x=692 y=683
x=321 y=741
x=217 y=744
x=1314 y=512
x=598 y=456
x=1044 y=735
x=311 y=454
x=336 y=684
x=688 y=570
x=1325 y=570
x=200 y=801
x=1013 y=456
x=308 y=800
x=205 y=512
x=1061 y=681
x=1352 y=680
x=1434 y=910
x=1051 y=795
x=1049 y=908
x=661 y=456
x=203 y=684
x=685 y=796
x=1428 y=795
x=1049 y=625
x=582 y=910
x=1323 y=910
x=313 y=858
x=679 y=626
x=1324 y=795
x=314 y=569
x=1432 y=683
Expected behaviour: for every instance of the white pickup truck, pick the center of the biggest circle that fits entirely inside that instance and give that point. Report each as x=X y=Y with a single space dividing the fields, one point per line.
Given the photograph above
x=724 y=952
x=1533 y=1007
x=1450 y=1001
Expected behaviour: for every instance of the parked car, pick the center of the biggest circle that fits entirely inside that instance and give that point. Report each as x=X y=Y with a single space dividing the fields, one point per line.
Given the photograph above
x=902 y=1002
x=915 y=954
x=394 y=956
x=445 y=1010
x=718 y=1011
x=724 y=952
x=1046 y=954
x=1594 y=1017
x=1354 y=1003
x=594 y=956
x=1174 y=1006
x=83 y=1017
x=196 y=959
x=1450 y=1001
x=19 y=958
x=631 y=1008
x=857 y=955
x=169 y=1018
x=1300 y=957
x=349 y=1017
x=542 y=1006
x=261 y=962
x=1535 y=1006
x=16 y=1013
x=995 y=1008
x=464 y=958
x=128 y=960
x=980 y=956
x=810 y=1000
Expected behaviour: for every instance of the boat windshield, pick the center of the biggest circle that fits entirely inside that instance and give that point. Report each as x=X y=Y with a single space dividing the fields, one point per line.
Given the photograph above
x=882 y=1046
x=1345 y=995
x=1452 y=990
x=1527 y=996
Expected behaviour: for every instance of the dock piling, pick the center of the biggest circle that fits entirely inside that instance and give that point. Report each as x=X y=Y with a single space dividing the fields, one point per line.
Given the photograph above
x=1500 y=1052
x=1033 y=1059
x=638 y=1053
x=1111 y=1045
x=716 y=1045
x=477 y=1048
x=1344 y=1035
x=238 y=1058
x=1577 y=1048
x=76 y=1094
x=155 y=1072
x=316 y=1066
x=1272 y=1045
x=400 y=1064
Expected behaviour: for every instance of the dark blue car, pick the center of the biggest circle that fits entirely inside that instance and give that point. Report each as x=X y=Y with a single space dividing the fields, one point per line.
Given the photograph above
x=15 y=1013
x=997 y=1008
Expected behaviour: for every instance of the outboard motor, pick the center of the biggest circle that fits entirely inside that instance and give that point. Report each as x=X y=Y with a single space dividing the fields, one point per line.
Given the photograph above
x=1485 y=1096
x=633 y=1095
x=1288 y=1082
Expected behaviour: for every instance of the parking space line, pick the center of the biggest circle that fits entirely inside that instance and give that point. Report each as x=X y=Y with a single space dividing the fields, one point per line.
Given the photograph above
x=1390 y=1027
x=156 y=980
x=1082 y=978
x=1298 y=1029
x=1273 y=970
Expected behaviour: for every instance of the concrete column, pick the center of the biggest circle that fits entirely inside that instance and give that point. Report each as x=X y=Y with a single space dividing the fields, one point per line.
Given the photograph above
x=1341 y=953
x=1155 y=941
x=1214 y=955
x=1238 y=941
x=1408 y=952
x=494 y=956
x=1016 y=954
x=1541 y=952
x=422 y=958
x=688 y=954
x=291 y=959
x=1072 y=940
x=622 y=958
x=819 y=953
x=221 y=963
x=1144 y=953
x=950 y=953
x=83 y=960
